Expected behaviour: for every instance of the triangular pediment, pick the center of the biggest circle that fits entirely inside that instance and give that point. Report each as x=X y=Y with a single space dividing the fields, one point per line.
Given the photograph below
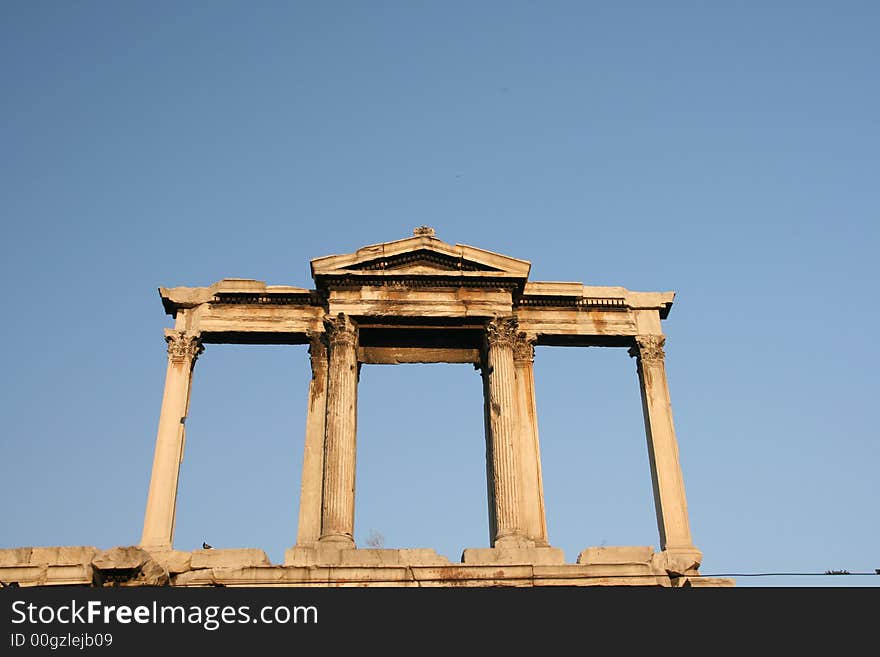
x=421 y=255
x=425 y=260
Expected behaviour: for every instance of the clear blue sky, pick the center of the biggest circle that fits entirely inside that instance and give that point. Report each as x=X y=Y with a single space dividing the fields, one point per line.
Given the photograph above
x=727 y=151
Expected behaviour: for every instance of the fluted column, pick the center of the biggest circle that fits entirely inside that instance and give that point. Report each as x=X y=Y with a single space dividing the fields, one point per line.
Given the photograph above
x=504 y=425
x=670 y=503
x=309 y=529
x=184 y=348
x=337 y=516
x=490 y=471
x=529 y=449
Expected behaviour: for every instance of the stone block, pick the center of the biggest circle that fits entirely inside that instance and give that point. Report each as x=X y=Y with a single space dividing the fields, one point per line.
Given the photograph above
x=174 y=561
x=317 y=554
x=24 y=575
x=392 y=557
x=677 y=562
x=324 y=554
x=421 y=557
x=15 y=556
x=128 y=566
x=121 y=558
x=228 y=558
x=705 y=582
x=616 y=554
x=63 y=555
x=535 y=556
x=70 y=574
x=300 y=555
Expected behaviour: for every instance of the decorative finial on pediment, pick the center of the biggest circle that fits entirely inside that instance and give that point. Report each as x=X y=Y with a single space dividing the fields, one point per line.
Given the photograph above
x=423 y=231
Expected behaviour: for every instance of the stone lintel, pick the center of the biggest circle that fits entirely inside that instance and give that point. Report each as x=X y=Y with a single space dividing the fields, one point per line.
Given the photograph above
x=388 y=302
x=577 y=327
x=219 y=323
x=397 y=355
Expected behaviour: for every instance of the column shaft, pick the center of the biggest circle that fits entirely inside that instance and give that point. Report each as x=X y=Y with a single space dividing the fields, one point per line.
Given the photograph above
x=490 y=472
x=309 y=529
x=669 y=497
x=530 y=453
x=337 y=518
x=159 y=518
x=505 y=425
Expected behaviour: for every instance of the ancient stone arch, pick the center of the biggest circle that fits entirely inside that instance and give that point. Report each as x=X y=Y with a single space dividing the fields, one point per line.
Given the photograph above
x=422 y=300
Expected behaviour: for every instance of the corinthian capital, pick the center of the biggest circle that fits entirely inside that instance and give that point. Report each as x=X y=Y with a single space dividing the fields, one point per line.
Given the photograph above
x=183 y=345
x=649 y=349
x=340 y=330
x=501 y=332
x=524 y=348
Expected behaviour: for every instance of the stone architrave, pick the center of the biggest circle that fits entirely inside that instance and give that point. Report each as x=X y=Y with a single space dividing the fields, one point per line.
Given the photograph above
x=669 y=497
x=532 y=493
x=309 y=529
x=184 y=348
x=504 y=426
x=337 y=504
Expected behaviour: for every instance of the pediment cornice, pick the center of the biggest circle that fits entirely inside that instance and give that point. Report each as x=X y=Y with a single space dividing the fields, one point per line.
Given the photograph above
x=422 y=255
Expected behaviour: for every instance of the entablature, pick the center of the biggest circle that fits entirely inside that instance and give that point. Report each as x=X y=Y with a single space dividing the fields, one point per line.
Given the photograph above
x=418 y=278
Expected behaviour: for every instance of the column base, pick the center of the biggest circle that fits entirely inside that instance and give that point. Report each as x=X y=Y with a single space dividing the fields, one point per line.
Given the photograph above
x=514 y=541
x=341 y=541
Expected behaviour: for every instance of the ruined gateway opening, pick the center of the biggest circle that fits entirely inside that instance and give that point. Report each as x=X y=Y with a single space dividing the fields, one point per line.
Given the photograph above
x=243 y=453
x=421 y=473
x=592 y=443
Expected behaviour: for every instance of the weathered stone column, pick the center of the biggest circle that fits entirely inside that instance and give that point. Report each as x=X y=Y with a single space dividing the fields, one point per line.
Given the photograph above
x=529 y=450
x=337 y=516
x=309 y=529
x=510 y=529
x=184 y=348
x=669 y=497
x=490 y=473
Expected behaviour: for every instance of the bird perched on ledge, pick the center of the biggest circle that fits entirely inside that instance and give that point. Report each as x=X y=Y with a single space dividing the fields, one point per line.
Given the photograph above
x=205 y=546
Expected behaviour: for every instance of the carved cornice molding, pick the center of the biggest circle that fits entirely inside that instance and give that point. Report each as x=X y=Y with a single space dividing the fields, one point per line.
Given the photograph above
x=183 y=346
x=524 y=349
x=340 y=330
x=649 y=349
x=501 y=332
